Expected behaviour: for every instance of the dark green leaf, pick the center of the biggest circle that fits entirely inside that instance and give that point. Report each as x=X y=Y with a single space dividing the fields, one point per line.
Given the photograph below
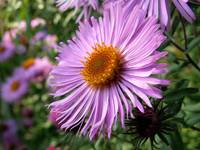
x=194 y=119
x=178 y=94
x=176 y=142
x=163 y=138
x=195 y=42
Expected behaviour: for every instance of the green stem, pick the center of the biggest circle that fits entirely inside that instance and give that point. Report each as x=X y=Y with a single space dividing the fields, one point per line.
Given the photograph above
x=190 y=60
x=186 y=45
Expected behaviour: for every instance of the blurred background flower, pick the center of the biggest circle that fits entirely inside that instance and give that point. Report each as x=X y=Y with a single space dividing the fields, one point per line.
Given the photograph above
x=10 y=139
x=15 y=87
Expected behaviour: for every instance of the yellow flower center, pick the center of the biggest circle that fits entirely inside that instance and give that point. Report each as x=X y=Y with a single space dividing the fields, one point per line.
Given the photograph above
x=28 y=63
x=2 y=49
x=101 y=66
x=15 y=85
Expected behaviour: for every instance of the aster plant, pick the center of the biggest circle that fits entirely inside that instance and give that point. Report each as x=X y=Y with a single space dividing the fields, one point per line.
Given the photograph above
x=14 y=88
x=86 y=5
x=161 y=9
x=34 y=68
x=8 y=136
x=160 y=122
x=155 y=121
x=6 y=50
x=107 y=69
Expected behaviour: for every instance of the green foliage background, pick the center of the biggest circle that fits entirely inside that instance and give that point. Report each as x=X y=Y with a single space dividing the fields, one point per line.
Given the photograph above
x=185 y=79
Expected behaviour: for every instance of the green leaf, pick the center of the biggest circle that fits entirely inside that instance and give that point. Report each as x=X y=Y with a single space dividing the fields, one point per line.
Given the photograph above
x=174 y=108
x=195 y=42
x=175 y=24
x=192 y=107
x=182 y=84
x=174 y=99
x=164 y=45
x=163 y=138
x=176 y=142
x=194 y=119
x=195 y=97
x=178 y=94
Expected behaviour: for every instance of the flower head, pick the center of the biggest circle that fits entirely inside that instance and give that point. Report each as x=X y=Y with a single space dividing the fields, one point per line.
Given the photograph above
x=9 y=35
x=34 y=23
x=51 y=148
x=50 y=42
x=22 y=43
x=36 y=68
x=15 y=87
x=38 y=37
x=27 y=117
x=37 y=22
x=8 y=130
x=107 y=68
x=6 y=50
x=66 y=4
x=17 y=37
x=53 y=117
x=160 y=9
x=87 y=5
x=154 y=121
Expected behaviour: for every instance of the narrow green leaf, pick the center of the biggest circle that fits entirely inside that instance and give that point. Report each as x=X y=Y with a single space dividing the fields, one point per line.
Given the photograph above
x=176 y=142
x=179 y=93
x=163 y=138
x=194 y=43
x=194 y=119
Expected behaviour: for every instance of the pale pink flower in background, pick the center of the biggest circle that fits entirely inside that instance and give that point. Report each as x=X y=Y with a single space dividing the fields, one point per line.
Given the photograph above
x=9 y=35
x=50 y=42
x=52 y=148
x=37 y=22
x=17 y=37
x=21 y=25
x=7 y=50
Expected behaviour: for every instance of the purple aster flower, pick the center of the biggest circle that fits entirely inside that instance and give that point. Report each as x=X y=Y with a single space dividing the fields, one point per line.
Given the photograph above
x=35 y=68
x=14 y=88
x=50 y=42
x=39 y=36
x=22 y=43
x=105 y=71
x=160 y=9
x=6 y=50
x=18 y=37
x=85 y=4
x=9 y=137
x=27 y=117
x=9 y=35
x=53 y=117
x=66 y=4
